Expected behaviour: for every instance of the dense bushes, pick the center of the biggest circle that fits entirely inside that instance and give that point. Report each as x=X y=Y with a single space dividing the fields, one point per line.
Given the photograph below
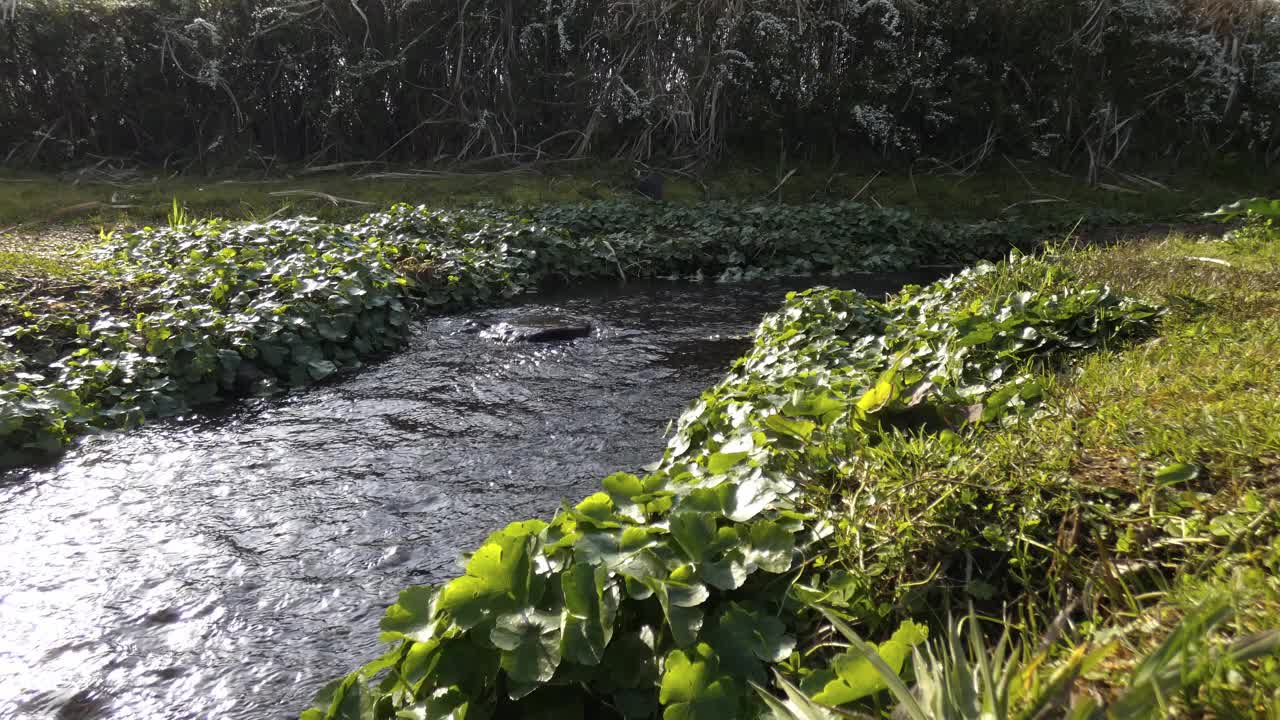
x=1088 y=82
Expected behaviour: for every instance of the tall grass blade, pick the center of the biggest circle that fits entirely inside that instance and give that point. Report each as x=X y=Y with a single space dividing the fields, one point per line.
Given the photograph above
x=906 y=701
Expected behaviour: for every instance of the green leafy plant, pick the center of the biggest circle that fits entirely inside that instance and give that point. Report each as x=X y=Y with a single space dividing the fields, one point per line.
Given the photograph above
x=661 y=594
x=178 y=217
x=205 y=310
x=1262 y=209
x=1261 y=218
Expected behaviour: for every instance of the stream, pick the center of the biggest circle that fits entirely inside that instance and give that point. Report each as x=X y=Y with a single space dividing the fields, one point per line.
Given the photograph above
x=228 y=564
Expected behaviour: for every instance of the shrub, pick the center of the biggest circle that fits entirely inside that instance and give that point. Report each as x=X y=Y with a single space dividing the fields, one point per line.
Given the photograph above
x=214 y=83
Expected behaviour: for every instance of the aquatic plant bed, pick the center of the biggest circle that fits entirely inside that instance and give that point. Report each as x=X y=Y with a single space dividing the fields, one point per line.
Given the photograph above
x=1076 y=452
x=150 y=323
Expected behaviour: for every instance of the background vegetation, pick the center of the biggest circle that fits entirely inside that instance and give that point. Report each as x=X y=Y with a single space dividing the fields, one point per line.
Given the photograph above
x=1082 y=83
x=130 y=197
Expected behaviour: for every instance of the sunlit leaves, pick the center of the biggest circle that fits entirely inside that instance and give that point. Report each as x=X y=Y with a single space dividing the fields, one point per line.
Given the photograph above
x=226 y=310
x=769 y=546
x=614 y=548
x=814 y=404
x=694 y=688
x=854 y=675
x=720 y=462
x=699 y=568
x=1177 y=473
x=499 y=577
x=880 y=395
x=798 y=429
x=412 y=617
x=747 y=497
x=252 y=308
x=1258 y=207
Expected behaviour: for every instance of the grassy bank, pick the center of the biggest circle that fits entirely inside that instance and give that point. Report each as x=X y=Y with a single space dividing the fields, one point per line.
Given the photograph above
x=1079 y=450
x=141 y=197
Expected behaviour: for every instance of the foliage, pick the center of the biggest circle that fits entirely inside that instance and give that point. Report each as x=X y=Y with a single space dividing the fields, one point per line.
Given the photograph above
x=833 y=237
x=673 y=588
x=1259 y=209
x=199 y=311
x=973 y=682
x=262 y=83
x=208 y=310
x=121 y=195
x=1261 y=217
x=1141 y=487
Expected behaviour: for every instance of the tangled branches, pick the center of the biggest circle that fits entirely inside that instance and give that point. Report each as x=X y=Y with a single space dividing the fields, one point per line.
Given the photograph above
x=215 y=83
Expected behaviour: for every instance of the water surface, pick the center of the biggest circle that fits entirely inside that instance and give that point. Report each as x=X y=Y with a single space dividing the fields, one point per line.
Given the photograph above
x=228 y=565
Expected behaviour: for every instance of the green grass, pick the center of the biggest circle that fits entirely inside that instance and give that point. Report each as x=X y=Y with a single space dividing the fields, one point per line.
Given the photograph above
x=1147 y=482
x=23 y=263
x=45 y=253
x=47 y=268
x=1035 y=193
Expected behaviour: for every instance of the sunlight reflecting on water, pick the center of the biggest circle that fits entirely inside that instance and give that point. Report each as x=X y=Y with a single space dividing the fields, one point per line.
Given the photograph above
x=228 y=565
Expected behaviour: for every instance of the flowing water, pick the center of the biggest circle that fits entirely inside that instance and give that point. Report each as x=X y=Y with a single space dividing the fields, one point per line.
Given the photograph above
x=227 y=565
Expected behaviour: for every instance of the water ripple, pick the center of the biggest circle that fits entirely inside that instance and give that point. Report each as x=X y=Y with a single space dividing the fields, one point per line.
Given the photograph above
x=229 y=564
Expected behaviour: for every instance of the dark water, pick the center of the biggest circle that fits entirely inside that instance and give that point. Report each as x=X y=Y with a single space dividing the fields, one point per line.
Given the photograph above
x=226 y=566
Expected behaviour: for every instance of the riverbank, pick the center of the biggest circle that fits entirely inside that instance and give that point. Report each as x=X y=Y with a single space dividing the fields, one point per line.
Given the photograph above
x=133 y=197
x=139 y=325
x=1082 y=447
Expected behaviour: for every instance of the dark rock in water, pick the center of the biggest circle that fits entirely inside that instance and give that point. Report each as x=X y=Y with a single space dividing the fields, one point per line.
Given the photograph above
x=538 y=330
